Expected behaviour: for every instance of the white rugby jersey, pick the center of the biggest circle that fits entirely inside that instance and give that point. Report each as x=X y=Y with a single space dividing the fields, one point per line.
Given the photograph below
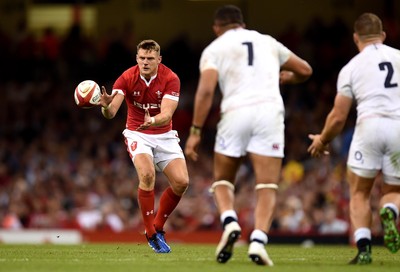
x=248 y=65
x=372 y=78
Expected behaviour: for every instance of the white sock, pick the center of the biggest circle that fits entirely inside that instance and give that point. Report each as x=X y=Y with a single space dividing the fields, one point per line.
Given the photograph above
x=393 y=207
x=362 y=233
x=259 y=235
x=229 y=213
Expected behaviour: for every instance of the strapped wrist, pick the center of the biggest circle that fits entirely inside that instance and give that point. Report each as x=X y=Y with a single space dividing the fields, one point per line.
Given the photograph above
x=195 y=130
x=104 y=109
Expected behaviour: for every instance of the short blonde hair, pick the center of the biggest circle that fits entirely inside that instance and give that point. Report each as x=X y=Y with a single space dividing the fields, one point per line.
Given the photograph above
x=149 y=45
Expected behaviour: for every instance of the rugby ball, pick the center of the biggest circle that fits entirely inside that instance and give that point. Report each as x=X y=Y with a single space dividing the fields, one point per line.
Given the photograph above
x=87 y=94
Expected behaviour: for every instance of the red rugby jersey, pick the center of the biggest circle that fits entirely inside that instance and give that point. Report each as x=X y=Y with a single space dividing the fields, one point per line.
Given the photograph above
x=138 y=95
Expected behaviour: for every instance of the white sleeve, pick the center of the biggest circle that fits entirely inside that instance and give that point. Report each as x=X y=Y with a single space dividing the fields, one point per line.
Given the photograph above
x=344 y=85
x=117 y=91
x=284 y=53
x=208 y=60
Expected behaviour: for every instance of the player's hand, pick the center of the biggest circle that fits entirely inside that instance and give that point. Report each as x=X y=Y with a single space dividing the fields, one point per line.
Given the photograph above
x=191 y=147
x=147 y=121
x=285 y=77
x=317 y=147
x=105 y=98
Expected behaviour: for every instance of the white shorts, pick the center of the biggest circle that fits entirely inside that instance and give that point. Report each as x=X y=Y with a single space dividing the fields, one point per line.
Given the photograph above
x=162 y=147
x=376 y=146
x=258 y=129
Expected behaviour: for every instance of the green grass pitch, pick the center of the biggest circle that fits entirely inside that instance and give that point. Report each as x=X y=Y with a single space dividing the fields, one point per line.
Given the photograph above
x=184 y=257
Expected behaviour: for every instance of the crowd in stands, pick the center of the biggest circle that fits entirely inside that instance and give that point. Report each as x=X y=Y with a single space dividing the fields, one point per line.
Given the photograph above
x=66 y=167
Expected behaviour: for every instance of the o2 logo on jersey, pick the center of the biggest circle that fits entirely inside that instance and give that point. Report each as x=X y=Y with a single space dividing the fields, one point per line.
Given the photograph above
x=359 y=157
x=221 y=142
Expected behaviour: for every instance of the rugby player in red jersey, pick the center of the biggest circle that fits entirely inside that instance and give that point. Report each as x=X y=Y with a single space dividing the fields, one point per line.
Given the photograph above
x=151 y=92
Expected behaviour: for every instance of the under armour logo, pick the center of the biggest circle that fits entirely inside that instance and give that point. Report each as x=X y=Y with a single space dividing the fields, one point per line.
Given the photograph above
x=150 y=212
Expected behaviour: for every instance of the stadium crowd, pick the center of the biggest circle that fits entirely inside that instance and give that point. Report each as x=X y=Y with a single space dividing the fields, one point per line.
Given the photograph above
x=65 y=167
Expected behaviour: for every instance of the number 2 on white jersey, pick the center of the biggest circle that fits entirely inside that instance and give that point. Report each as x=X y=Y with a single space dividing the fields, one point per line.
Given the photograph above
x=389 y=67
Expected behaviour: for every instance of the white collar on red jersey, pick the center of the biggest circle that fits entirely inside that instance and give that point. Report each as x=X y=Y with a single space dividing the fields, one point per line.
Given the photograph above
x=148 y=82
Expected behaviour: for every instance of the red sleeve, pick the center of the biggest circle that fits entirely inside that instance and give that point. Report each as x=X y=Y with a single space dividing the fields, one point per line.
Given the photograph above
x=173 y=86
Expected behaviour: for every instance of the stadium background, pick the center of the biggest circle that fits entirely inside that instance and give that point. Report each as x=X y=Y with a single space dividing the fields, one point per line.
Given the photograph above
x=62 y=167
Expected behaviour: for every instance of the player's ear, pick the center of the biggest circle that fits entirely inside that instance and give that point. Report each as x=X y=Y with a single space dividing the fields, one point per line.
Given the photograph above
x=216 y=28
x=383 y=36
x=356 y=38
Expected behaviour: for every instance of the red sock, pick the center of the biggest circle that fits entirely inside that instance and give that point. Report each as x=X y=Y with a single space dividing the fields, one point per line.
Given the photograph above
x=168 y=202
x=146 y=204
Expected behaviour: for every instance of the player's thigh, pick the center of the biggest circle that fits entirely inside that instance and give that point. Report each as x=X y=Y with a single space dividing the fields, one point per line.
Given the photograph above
x=233 y=133
x=367 y=145
x=391 y=159
x=359 y=184
x=176 y=172
x=268 y=135
x=266 y=169
x=145 y=170
x=167 y=149
x=137 y=143
x=225 y=167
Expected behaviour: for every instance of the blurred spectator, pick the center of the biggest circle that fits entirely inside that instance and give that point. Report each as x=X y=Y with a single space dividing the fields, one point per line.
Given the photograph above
x=292 y=215
x=331 y=224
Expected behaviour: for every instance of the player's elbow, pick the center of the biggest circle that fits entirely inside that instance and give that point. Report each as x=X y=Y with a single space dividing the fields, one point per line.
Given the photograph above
x=339 y=123
x=305 y=72
x=168 y=118
x=165 y=118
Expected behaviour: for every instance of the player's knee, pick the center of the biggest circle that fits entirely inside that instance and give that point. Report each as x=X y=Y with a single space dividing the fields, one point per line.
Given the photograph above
x=181 y=186
x=147 y=179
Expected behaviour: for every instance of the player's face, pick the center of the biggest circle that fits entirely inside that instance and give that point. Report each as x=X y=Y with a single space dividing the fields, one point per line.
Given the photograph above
x=148 y=62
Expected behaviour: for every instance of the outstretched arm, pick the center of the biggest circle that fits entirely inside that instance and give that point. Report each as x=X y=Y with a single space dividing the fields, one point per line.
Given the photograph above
x=334 y=124
x=110 y=104
x=204 y=96
x=202 y=105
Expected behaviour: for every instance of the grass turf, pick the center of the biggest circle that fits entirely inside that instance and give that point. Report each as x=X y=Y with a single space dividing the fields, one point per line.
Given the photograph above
x=184 y=257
